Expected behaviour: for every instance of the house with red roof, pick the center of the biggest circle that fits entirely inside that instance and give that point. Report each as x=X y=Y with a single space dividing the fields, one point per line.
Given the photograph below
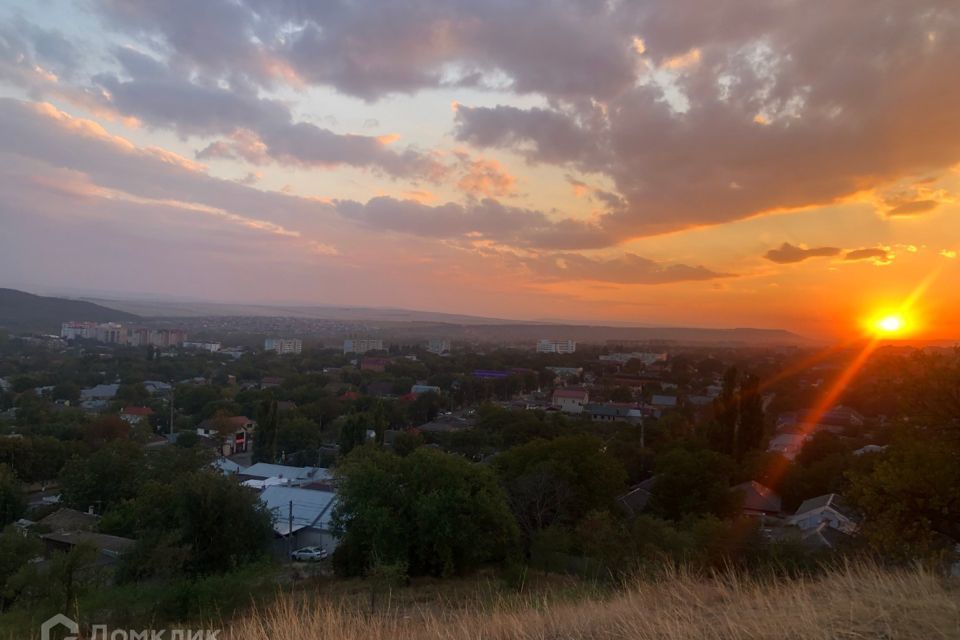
x=136 y=415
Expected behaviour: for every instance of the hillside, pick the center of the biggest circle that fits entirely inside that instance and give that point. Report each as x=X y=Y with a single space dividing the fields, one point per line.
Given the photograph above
x=853 y=602
x=23 y=311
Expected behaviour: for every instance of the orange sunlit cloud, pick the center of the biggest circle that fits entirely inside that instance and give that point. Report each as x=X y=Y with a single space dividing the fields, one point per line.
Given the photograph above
x=685 y=163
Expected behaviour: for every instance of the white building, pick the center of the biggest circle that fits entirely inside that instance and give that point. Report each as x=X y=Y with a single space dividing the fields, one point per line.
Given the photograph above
x=212 y=347
x=75 y=330
x=438 y=347
x=830 y=509
x=556 y=346
x=570 y=400
x=362 y=345
x=283 y=346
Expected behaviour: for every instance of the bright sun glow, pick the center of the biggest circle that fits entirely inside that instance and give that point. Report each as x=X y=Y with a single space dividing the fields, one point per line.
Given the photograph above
x=890 y=324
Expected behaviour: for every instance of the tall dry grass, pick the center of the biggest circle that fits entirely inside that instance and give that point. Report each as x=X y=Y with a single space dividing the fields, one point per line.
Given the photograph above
x=859 y=601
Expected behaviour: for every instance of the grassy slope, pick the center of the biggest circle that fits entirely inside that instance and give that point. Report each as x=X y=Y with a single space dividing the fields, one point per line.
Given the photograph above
x=857 y=602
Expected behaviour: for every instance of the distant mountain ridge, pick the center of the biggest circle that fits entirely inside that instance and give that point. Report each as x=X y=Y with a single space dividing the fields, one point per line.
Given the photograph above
x=24 y=311
x=416 y=325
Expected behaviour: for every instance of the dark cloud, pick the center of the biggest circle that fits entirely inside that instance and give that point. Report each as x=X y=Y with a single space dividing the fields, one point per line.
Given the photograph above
x=913 y=208
x=482 y=219
x=626 y=269
x=697 y=112
x=257 y=130
x=543 y=135
x=30 y=55
x=879 y=255
x=788 y=253
x=370 y=48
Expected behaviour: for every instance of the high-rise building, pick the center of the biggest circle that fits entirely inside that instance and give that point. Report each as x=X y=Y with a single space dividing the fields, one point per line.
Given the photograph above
x=438 y=346
x=362 y=345
x=283 y=346
x=556 y=346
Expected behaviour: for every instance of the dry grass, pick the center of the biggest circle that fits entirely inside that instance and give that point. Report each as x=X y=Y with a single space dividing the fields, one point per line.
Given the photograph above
x=855 y=602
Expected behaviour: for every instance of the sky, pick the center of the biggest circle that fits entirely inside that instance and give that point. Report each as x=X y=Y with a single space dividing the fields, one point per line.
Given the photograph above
x=714 y=163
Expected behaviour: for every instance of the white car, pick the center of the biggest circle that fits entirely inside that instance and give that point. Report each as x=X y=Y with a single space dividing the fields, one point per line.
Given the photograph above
x=309 y=554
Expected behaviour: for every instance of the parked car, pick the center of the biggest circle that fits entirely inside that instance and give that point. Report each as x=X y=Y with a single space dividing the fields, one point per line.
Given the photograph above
x=309 y=554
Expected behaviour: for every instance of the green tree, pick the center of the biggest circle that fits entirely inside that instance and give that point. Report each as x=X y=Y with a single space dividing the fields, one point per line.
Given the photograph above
x=910 y=498
x=433 y=512
x=202 y=523
x=107 y=477
x=353 y=432
x=12 y=503
x=692 y=482
x=406 y=442
x=559 y=481
x=16 y=550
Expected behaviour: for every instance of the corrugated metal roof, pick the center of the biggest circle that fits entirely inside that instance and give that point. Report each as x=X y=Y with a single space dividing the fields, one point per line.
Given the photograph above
x=310 y=508
x=267 y=470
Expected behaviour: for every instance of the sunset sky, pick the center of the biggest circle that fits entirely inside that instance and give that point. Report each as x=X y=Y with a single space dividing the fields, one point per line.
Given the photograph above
x=764 y=163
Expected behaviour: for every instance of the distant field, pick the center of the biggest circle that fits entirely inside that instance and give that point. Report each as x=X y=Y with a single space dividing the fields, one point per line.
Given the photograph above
x=856 y=602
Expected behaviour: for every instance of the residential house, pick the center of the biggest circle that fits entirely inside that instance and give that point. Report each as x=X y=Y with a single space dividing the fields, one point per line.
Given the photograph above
x=270 y=382
x=758 y=500
x=109 y=548
x=424 y=388
x=613 y=412
x=154 y=387
x=830 y=509
x=570 y=400
x=635 y=501
x=263 y=474
x=236 y=431
x=227 y=466
x=66 y=519
x=136 y=415
x=96 y=398
x=301 y=517
x=788 y=445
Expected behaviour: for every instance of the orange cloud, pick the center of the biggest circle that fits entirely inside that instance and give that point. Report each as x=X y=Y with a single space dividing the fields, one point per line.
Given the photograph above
x=486 y=178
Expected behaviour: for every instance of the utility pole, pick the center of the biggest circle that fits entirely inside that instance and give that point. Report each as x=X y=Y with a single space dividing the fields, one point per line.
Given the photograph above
x=290 y=530
x=172 y=395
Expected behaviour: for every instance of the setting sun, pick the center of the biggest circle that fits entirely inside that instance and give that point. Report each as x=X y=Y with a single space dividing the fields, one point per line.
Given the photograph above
x=890 y=324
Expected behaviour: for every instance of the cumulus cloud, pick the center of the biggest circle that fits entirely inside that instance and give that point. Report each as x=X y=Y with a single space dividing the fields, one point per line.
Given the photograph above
x=483 y=177
x=788 y=253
